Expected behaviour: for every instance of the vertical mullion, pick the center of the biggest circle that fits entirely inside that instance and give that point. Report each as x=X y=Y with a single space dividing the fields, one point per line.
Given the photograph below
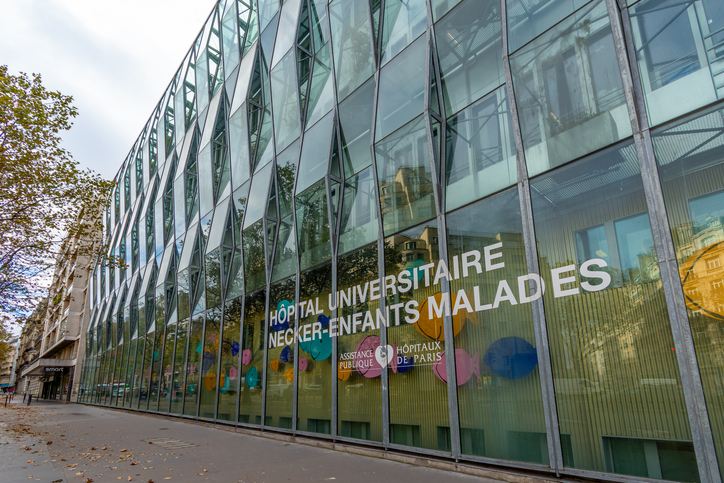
x=701 y=432
x=550 y=410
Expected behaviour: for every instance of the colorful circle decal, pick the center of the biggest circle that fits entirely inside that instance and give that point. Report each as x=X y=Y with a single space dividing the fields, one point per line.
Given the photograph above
x=511 y=357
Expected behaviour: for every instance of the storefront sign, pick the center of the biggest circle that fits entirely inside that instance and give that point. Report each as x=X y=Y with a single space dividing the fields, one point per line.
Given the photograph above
x=435 y=306
x=54 y=369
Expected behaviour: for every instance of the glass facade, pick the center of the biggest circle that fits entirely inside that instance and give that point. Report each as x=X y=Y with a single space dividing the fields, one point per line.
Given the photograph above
x=485 y=231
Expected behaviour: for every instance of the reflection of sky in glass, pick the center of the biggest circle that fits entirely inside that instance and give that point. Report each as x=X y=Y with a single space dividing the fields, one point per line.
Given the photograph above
x=634 y=238
x=705 y=209
x=592 y=243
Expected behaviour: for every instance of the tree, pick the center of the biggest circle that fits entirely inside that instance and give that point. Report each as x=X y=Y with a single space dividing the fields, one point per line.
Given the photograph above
x=43 y=191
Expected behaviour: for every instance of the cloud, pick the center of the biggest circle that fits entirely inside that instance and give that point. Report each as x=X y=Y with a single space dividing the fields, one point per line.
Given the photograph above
x=115 y=58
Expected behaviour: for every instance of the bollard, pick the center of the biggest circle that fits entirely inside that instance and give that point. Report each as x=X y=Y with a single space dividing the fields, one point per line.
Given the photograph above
x=24 y=396
x=30 y=398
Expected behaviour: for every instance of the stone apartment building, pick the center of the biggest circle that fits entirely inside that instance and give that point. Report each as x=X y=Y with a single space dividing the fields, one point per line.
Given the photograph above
x=63 y=324
x=7 y=367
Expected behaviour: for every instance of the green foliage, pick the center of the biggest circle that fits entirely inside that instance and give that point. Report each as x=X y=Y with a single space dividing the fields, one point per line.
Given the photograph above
x=44 y=194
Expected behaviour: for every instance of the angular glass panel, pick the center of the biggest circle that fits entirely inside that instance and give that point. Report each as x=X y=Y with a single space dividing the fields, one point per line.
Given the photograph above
x=239 y=147
x=287 y=30
x=608 y=326
x=490 y=420
x=212 y=271
x=254 y=258
x=359 y=408
x=529 y=18
x=321 y=91
x=404 y=22
x=285 y=255
x=352 y=44
x=209 y=358
x=286 y=173
x=258 y=196
x=402 y=89
x=193 y=366
x=313 y=222
x=355 y=124
x=404 y=176
x=267 y=10
x=216 y=66
x=314 y=381
x=183 y=293
x=441 y=7
x=202 y=81
x=679 y=51
x=206 y=181
x=167 y=395
x=287 y=123
x=320 y=25
x=179 y=376
x=690 y=158
x=230 y=40
x=246 y=70
x=252 y=358
x=469 y=52
x=359 y=225
x=315 y=153
x=230 y=355
x=570 y=105
x=480 y=150
x=418 y=394
x=280 y=356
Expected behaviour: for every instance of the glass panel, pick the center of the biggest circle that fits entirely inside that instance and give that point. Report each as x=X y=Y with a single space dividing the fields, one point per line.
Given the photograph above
x=285 y=257
x=150 y=358
x=313 y=223
x=675 y=43
x=267 y=10
x=359 y=224
x=258 y=196
x=404 y=22
x=254 y=258
x=167 y=394
x=229 y=353
x=314 y=405
x=285 y=98
x=179 y=375
x=614 y=370
x=418 y=396
x=206 y=181
x=321 y=92
x=315 y=153
x=209 y=358
x=352 y=44
x=570 y=104
x=230 y=39
x=287 y=32
x=355 y=124
x=690 y=158
x=193 y=366
x=359 y=399
x=405 y=178
x=469 y=51
x=501 y=408
x=480 y=151
x=529 y=18
x=252 y=358
x=402 y=89
x=320 y=25
x=441 y=7
x=280 y=356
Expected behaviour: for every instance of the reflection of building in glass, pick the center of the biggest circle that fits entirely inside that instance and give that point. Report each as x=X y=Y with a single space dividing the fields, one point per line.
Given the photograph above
x=433 y=188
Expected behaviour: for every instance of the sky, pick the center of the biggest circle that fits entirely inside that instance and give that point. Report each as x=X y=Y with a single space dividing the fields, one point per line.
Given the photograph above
x=115 y=58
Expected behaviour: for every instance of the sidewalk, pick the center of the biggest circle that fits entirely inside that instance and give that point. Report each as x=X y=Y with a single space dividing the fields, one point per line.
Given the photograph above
x=54 y=442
